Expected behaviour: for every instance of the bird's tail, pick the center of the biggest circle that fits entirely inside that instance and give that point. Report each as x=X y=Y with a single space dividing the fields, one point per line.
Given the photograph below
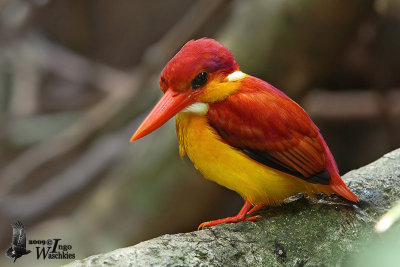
x=339 y=187
x=336 y=183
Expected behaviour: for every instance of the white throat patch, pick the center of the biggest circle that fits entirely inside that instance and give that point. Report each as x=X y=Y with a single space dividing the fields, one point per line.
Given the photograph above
x=236 y=76
x=198 y=108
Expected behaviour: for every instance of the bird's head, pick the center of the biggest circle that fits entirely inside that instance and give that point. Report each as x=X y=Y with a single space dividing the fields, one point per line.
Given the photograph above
x=202 y=72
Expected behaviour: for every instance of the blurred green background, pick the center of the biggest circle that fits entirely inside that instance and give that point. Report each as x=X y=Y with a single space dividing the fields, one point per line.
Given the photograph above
x=78 y=77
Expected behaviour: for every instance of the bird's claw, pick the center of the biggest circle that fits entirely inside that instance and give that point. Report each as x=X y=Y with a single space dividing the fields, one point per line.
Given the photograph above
x=227 y=220
x=252 y=218
x=201 y=226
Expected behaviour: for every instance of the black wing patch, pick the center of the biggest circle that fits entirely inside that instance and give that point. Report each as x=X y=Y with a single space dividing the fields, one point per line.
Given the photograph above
x=263 y=157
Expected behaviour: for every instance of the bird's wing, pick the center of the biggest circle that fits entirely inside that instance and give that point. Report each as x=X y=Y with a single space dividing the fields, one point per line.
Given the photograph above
x=269 y=127
x=9 y=252
x=19 y=236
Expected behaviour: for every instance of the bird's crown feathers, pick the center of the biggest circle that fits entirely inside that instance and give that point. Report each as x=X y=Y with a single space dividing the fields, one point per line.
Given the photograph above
x=195 y=57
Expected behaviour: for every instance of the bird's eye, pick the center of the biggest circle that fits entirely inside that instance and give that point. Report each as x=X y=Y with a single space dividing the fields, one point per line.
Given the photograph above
x=200 y=80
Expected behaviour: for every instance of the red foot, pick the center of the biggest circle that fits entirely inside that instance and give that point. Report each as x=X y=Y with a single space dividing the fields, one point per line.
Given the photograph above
x=241 y=216
x=255 y=208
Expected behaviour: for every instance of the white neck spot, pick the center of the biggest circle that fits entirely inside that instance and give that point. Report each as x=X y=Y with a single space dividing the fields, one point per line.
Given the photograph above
x=198 y=108
x=236 y=76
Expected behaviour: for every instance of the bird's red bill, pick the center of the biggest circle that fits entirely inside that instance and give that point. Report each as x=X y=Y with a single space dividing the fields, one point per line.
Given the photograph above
x=168 y=106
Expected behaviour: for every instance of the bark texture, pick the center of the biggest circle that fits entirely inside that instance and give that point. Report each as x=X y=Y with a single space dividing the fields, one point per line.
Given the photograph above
x=303 y=232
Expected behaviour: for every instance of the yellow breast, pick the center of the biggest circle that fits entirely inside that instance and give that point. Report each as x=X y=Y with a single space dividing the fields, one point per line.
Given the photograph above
x=227 y=166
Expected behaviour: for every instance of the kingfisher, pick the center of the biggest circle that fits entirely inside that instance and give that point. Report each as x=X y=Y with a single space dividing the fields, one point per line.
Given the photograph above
x=241 y=132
